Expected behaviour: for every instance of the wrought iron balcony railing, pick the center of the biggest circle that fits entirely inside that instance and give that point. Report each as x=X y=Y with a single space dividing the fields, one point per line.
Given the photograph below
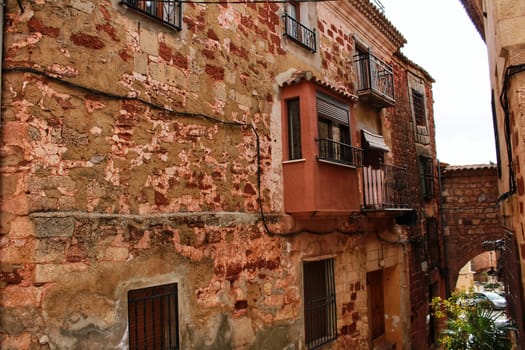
x=385 y=188
x=337 y=152
x=299 y=33
x=375 y=79
x=169 y=12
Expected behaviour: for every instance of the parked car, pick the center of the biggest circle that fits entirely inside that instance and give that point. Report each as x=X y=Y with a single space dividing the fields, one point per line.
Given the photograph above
x=492 y=299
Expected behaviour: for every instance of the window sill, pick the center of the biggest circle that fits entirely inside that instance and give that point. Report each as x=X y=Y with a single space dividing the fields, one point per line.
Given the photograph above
x=301 y=160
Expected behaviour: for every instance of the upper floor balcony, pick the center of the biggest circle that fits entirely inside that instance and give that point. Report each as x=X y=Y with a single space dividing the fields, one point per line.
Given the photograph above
x=375 y=80
x=299 y=33
x=385 y=188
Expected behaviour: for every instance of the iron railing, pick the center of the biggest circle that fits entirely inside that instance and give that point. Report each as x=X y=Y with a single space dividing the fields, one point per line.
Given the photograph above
x=169 y=12
x=304 y=36
x=374 y=75
x=338 y=152
x=385 y=187
x=320 y=312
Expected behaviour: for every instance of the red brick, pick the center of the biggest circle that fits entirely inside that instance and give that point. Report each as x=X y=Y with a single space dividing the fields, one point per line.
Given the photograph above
x=86 y=40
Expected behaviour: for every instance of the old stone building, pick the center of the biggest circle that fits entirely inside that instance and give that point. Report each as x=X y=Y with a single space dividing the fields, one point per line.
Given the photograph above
x=195 y=175
x=501 y=24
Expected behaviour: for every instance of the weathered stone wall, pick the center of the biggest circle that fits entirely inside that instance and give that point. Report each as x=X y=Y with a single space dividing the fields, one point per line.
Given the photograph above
x=130 y=157
x=470 y=213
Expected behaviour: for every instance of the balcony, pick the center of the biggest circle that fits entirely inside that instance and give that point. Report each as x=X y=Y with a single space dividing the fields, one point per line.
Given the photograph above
x=375 y=80
x=299 y=33
x=168 y=12
x=336 y=152
x=385 y=188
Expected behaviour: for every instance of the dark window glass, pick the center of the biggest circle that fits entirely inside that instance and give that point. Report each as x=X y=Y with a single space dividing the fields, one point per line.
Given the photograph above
x=153 y=318
x=294 y=129
x=320 y=318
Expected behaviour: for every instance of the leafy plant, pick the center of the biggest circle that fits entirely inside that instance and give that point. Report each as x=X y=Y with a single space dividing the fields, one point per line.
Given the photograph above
x=470 y=325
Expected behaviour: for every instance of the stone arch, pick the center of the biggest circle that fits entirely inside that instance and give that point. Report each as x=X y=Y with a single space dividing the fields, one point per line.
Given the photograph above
x=469 y=212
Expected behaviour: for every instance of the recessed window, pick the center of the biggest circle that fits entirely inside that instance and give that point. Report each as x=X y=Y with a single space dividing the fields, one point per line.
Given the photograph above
x=334 y=131
x=153 y=318
x=426 y=172
x=294 y=129
x=418 y=103
x=297 y=31
x=169 y=12
x=320 y=318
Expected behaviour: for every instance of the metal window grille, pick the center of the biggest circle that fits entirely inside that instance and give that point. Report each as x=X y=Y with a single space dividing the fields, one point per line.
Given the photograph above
x=320 y=317
x=418 y=102
x=153 y=318
x=169 y=12
x=299 y=33
x=374 y=75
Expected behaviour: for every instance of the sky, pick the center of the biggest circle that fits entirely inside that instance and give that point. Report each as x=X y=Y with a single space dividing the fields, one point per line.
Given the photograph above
x=443 y=41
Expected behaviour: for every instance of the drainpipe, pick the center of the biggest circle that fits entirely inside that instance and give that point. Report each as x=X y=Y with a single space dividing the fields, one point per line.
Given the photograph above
x=442 y=236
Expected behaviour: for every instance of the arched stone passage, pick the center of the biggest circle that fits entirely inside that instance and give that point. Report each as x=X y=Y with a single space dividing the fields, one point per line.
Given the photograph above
x=470 y=213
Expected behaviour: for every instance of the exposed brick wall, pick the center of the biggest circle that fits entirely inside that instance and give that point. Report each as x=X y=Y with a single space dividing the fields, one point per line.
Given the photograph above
x=470 y=213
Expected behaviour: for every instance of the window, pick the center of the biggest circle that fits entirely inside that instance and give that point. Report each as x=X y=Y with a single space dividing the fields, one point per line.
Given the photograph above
x=153 y=318
x=418 y=102
x=320 y=318
x=376 y=303
x=168 y=12
x=334 y=131
x=426 y=172
x=295 y=30
x=294 y=129
x=432 y=242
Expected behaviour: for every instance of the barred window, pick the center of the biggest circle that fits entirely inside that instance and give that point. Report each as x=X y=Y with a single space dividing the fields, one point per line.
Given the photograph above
x=418 y=102
x=153 y=318
x=169 y=12
x=320 y=318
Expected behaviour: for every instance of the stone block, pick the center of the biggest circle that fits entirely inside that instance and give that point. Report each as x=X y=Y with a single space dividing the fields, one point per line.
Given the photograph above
x=45 y=273
x=54 y=226
x=140 y=63
x=149 y=42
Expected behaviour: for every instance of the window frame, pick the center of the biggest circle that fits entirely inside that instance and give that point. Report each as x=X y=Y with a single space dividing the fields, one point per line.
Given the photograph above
x=294 y=128
x=320 y=324
x=159 y=305
x=331 y=148
x=418 y=107
x=159 y=14
x=426 y=173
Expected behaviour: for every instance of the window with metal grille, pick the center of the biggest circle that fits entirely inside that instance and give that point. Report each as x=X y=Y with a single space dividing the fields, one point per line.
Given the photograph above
x=294 y=129
x=169 y=12
x=426 y=172
x=418 y=103
x=320 y=317
x=153 y=318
